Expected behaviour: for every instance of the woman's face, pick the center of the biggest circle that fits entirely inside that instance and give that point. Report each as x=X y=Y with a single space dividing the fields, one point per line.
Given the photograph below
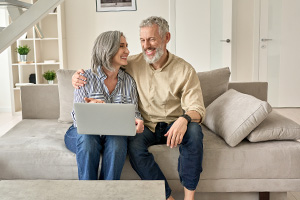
x=121 y=56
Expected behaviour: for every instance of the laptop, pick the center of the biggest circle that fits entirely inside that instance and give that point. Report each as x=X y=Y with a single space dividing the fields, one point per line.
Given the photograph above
x=105 y=119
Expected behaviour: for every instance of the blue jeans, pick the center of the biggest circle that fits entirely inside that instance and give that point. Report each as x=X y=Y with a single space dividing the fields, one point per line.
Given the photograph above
x=88 y=149
x=189 y=161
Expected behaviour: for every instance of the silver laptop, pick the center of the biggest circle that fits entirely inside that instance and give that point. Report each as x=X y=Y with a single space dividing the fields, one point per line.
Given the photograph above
x=105 y=119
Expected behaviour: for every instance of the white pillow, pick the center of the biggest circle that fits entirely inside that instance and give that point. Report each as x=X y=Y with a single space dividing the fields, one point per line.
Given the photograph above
x=275 y=127
x=233 y=115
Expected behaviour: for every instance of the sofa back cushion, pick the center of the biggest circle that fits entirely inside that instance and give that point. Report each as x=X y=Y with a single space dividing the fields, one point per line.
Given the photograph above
x=213 y=83
x=66 y=95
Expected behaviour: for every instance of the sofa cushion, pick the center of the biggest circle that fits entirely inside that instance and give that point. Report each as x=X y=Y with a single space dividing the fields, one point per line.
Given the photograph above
x=213 y=83
x=35 y=149
x=262 y=160
x=234 y=115
x=66 y=95
x=275 y=127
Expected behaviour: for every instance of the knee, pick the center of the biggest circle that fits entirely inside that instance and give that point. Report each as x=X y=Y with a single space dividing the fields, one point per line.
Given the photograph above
x=194 y=136
x=117 y=144
x=70 y=139
x=87 y=143
x=194 y=131
x=136 y=147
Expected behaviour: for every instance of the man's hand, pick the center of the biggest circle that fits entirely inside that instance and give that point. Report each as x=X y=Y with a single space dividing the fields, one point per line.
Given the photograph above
x=92 y=100
x=78 y=80
x=139 y=124
x=176 y=132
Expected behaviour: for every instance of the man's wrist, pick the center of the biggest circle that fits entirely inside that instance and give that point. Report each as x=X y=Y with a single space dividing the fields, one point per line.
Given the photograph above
x=187 y=117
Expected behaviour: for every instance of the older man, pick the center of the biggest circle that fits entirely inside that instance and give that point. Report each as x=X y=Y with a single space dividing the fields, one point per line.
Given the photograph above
x=171 y=103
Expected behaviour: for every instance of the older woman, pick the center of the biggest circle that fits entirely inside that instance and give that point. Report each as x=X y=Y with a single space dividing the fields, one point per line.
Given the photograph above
x=106 y=83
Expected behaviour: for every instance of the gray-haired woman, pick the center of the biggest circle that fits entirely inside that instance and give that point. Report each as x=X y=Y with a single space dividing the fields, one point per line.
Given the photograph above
x=107 y=83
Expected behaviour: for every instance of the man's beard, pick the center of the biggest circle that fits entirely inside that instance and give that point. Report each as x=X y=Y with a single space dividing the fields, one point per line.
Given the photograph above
x=158 y=54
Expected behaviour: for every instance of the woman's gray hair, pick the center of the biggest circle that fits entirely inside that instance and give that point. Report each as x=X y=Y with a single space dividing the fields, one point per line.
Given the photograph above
x=163 y=26
x=105 y=48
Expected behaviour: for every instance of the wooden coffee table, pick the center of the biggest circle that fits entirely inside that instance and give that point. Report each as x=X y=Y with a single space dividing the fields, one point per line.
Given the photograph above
x=75 y=190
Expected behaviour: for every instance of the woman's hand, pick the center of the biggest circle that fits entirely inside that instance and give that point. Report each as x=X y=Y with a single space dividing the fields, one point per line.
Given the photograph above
x=78 y=80
x=92 y=100
x=139 y=125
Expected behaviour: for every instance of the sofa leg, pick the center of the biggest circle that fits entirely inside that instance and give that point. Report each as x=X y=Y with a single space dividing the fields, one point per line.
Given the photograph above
x=278 y=196
x=264 y=196
x=273 y=196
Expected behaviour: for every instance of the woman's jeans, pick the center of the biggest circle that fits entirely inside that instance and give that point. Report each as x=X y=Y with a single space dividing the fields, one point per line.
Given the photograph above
x=189 y=161
x=88 y=149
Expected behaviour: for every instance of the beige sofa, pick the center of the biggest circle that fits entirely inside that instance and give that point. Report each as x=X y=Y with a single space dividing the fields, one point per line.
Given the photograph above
x=35 y=149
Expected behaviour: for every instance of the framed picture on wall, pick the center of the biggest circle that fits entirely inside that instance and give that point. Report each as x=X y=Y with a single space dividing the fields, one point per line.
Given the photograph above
x=115 y=5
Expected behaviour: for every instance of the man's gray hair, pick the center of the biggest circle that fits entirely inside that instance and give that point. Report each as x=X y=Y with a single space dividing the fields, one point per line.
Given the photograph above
x=105 y=48
x=163 y=26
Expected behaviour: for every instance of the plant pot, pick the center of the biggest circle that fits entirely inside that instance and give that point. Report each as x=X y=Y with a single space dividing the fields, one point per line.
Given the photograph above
x=22 y=58
x=50 y=81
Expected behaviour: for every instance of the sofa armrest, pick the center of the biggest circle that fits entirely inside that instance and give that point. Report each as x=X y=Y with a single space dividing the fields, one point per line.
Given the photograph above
x=256 y=89
x=40 y=101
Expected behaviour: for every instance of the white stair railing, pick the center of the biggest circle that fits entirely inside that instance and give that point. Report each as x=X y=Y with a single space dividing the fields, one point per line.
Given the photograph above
x=26 y=20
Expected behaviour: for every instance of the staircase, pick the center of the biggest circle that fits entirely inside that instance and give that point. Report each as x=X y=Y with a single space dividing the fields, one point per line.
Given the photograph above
x=23 y=20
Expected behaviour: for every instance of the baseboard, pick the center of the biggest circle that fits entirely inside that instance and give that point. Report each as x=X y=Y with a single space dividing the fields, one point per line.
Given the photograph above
x=5 y=109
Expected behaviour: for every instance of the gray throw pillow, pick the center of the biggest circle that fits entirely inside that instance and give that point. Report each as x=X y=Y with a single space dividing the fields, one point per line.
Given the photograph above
x=213 y=83
x=233 y=115
x=66 y=95
x=275 y=127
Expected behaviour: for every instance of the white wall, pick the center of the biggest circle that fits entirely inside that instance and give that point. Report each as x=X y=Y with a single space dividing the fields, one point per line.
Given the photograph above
x=193 y=32
x=243 y=33
x=5 y=100
x=192 y=28
x=84 y=24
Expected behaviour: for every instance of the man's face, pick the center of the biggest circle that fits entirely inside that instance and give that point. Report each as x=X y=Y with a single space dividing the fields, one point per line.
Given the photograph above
x=153 y=46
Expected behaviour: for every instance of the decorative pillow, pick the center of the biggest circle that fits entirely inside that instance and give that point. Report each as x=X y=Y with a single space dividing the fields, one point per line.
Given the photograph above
x=213 y=83
x=275 y=127
x=233 y=115
x=66 y=95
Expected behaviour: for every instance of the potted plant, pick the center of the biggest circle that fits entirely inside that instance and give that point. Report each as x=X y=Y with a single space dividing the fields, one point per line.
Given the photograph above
x=23 y=51
x=50 y=75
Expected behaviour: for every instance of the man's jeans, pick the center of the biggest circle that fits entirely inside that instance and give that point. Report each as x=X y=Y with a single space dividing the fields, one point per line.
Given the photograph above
x=189 y=161
x=88 y=149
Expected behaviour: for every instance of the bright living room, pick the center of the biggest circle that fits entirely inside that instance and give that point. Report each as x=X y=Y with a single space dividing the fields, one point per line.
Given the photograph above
x=76 y=61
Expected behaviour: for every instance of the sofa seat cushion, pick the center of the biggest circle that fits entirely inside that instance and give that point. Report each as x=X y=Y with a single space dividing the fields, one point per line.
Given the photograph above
x=264 y=160
x=35 y=149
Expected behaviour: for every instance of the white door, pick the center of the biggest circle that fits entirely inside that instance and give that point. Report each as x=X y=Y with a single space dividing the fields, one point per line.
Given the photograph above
x=220 y=33
x=279 y=51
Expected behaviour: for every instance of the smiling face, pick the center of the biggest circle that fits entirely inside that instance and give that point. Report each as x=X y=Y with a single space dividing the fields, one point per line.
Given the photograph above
x=153 y=45
x=120 y=58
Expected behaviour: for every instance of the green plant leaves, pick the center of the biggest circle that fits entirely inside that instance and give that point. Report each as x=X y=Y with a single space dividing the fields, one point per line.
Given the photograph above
x=23 y=50
x=49 y=75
